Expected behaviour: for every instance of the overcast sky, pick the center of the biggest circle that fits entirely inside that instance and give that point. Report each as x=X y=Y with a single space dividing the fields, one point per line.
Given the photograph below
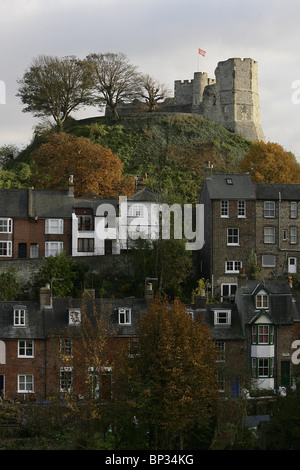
x=161 y=37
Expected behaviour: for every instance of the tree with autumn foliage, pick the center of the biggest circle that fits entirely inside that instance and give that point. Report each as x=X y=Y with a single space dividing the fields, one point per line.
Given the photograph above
x=96 y=170
x=172 y=375
x=270 y=163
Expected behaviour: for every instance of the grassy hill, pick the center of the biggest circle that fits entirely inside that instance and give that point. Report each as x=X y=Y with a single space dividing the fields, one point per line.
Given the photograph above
x=170 y=148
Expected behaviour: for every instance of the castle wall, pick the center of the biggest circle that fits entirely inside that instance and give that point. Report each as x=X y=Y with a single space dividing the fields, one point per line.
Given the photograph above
x=231 y=99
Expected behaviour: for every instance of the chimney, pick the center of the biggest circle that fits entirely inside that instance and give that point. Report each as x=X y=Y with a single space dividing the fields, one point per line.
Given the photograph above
x=30 y=202
x=200 y=301
x=208 y=170
x=149 y=293
x=242 y=279
x=71 y=185
x=45 y=297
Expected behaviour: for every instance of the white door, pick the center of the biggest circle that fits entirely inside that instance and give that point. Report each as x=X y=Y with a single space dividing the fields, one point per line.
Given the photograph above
x=292 y=265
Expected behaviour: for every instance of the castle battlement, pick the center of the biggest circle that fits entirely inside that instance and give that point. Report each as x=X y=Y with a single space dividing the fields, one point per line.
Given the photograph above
x=230 y=99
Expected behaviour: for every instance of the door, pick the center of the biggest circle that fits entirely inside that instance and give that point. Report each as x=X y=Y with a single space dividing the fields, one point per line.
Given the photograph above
x=22 y=250
x=2 y=386
x=285 y=374
x=108 y=246
x=292 y=265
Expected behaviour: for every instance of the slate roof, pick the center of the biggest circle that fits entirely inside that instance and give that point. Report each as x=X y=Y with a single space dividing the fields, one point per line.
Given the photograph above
x=34 y=321
x=241 y=186
x=282 y=308
x=57 y=317
x=144 y=195
x=13 y=203
x=226 y=332
x=290 y=192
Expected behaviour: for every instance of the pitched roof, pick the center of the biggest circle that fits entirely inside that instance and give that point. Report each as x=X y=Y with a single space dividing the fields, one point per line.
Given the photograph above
x=230 y=186
x=274 y=191
x=282 y=308
x=34 y=321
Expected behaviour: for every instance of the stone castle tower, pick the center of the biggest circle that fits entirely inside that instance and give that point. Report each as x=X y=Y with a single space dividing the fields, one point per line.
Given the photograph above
x=231 y=99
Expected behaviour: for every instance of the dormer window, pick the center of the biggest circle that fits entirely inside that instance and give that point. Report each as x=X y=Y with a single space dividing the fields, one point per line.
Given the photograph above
x=19 y=316
x=74 y=316
x=222 y=317
x=124 y=316
x=262 y=300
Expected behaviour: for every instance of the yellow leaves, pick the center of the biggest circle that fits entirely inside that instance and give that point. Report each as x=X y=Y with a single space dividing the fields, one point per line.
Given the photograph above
x=270 y=163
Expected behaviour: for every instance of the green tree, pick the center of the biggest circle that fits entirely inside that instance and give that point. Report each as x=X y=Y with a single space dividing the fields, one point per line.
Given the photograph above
x=55 y=87
x=64 y=274
x=9 y=285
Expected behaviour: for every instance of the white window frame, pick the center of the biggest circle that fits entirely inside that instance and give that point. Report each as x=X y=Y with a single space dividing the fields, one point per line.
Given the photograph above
x=74 y=316
x=268 y=265
x=136 y=210
x=294 y=210
x=224 y=209
x=269 y=235
x=7 y=247
x=25 y=383
x=241 y=209
x=220 y=345
x=269 y=209
x=293 y=235
x=222 y=317
x=20 y=316
x=34 y=250
x=236 y=266
x=124 y=316
x=6 y=222
x=66 y=347
x=262 y=363
x=52 y=252
x=54 y=226
x=66 y=373
x=233 y=236
x=260 y=298
x=27 y=347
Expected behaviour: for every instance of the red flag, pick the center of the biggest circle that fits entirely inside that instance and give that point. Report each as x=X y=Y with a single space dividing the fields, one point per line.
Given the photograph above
x=202 y=52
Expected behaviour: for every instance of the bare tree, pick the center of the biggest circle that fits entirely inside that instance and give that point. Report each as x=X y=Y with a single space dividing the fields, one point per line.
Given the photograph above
x=115 y=80
x=153 y=92
x=55 y=87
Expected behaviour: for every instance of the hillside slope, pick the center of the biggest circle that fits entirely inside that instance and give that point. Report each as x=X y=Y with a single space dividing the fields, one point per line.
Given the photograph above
x=170 y=148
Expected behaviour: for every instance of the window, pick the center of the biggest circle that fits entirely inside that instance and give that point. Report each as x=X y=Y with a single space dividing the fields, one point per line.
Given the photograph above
x=269 y=234
x=222 y=317
x=229 y=181
x=34 y=250
x=262 y=300
x=232 y=236
x=66 y=379
x=66 y=347
x=85 y=222
x=86 y=245
x=268 y=261
x=233 y=266
x=224 y=209
x=136 y=210
x=19 y=316
x=74 y=316
x=220 y=345
x=262 y=367
x=284 y=236
x=5 y=225
x=25 y=383
x=53 y=248
x=269 y=209
x=5 y=248
x=293 y=235
x=25 y=348
x=294 y=210
x=124 y=316
x=241 y=209
x=54 y=226
x=228 y=292
x=262 y=334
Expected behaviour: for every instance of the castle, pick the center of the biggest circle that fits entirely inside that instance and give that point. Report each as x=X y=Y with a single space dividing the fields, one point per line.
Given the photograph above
x=231 y=99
